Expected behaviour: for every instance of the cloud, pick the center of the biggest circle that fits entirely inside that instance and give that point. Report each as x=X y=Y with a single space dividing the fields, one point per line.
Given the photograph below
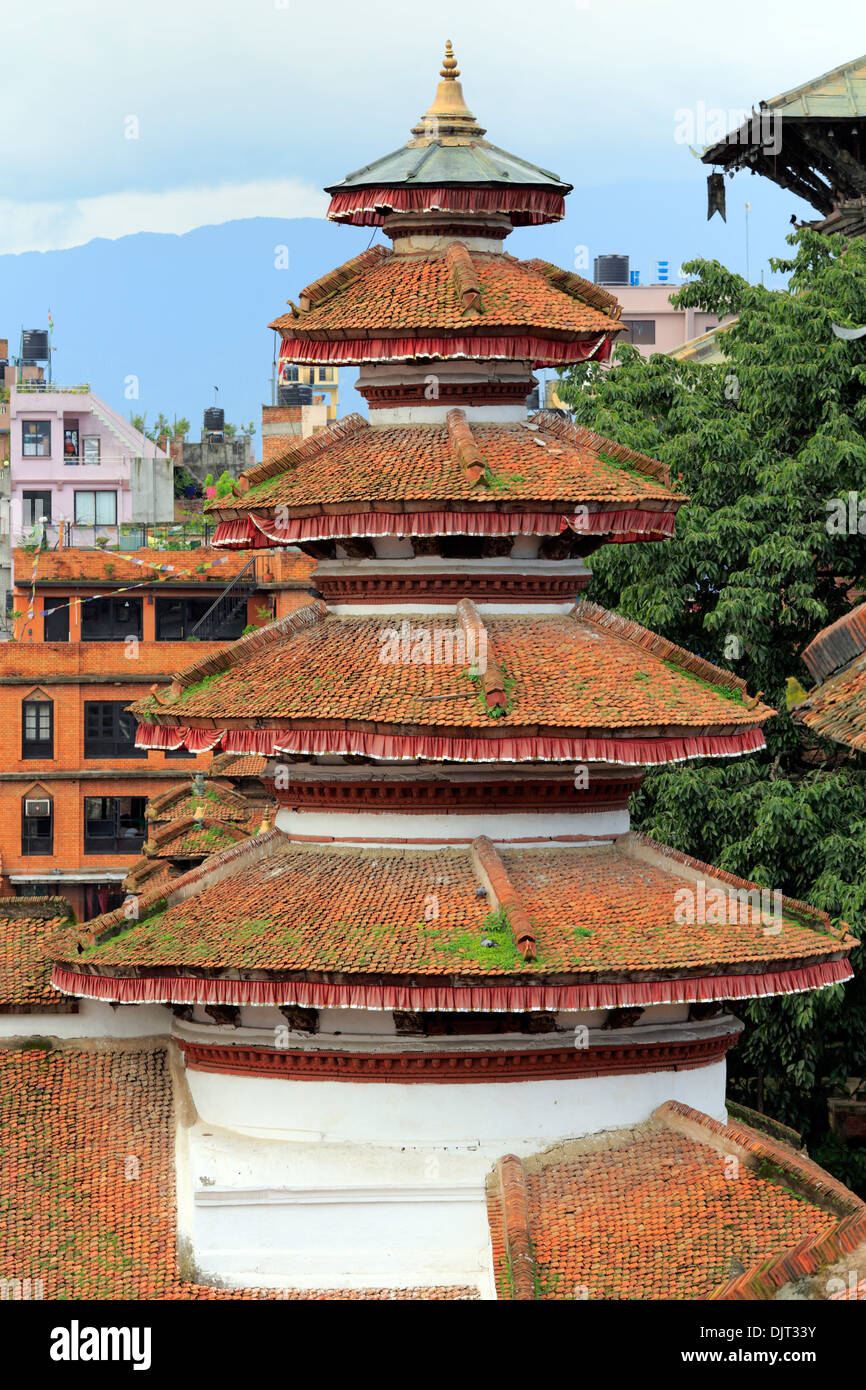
x=54 y=226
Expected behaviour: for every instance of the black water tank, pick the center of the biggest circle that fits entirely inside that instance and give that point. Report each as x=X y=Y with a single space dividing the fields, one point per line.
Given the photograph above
x=532 y=400
x=214 y=419
x=610 y=270
x=296 y=393
x=34 y=345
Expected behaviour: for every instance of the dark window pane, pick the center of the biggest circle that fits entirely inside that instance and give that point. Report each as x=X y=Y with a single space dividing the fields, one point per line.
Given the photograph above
x=57 y=622
x=37 y=729
x=111 y=619
x=109 y=730
x=114 y=824
x=641 y=330
x=35 y=506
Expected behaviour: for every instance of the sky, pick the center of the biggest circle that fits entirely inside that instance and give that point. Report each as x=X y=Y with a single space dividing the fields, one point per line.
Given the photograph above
x=175 y=115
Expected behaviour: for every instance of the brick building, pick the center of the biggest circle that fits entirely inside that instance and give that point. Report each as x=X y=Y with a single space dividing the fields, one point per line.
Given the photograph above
x=73 y=787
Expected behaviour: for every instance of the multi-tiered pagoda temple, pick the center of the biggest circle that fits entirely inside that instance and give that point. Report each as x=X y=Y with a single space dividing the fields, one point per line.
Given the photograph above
x=451 y=952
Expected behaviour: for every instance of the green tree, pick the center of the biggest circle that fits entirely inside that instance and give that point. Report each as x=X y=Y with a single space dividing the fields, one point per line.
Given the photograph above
x=762 y=443
x=225 y=483
x=176 y=429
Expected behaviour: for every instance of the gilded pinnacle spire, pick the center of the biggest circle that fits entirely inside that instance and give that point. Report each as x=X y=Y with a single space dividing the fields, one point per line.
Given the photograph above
x=449 y=116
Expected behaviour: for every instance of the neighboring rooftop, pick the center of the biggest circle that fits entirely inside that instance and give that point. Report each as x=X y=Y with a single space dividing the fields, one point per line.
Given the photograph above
x=809 y=140
x=29 y=940
x=87 y=1182
x=680 y=1208
x=74 y=567
x=836 y=658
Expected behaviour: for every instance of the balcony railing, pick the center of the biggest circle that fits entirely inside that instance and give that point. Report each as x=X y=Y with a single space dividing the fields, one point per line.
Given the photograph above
x=36 y=386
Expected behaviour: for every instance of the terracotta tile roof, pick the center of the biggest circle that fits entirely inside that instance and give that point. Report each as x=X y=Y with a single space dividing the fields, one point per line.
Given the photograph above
x=596 y=913
x=87 y=1181
x=836 y=658
x=667 y=1211
x=837 y=646
x=192 y=839
x=396 y=293
x=231 y=765
x=219 y=801
x=837 y=708
x=74 y=565
x=399 y=463
x=27 y=947
x=585 y=670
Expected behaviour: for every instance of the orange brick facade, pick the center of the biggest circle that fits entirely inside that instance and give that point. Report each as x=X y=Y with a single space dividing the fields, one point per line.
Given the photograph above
x=70 y=674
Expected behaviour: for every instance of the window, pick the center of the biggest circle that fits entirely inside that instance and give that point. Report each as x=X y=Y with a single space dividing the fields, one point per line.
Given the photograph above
x=57 y=621
x=109 y=730
x=110 y=618
x=35 y=890
x=641 y=331
x=70 y=441
x=290 y=374
x=326 y=373
x=90 y=448
x=176 y=617
x=36 y=439
x=37 y=823
x=35 y=507
x=37 y=727
x=178 y=753
x=95 y=508
x=114 y=824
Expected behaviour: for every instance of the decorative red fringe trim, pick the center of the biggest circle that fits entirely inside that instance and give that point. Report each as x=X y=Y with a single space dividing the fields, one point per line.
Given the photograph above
x=542 y=352
x=368 y=207
x=637 y=752
x=180 y=989
x=624 y=525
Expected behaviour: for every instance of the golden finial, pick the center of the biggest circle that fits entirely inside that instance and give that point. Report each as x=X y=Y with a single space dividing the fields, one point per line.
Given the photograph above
x=449 y=69
x=449 y=116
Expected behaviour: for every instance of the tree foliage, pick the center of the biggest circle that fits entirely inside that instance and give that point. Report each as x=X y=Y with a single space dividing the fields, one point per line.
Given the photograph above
x=762 y=443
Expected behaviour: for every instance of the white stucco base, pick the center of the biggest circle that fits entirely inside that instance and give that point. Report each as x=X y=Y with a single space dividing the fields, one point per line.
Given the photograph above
x=332 y=1216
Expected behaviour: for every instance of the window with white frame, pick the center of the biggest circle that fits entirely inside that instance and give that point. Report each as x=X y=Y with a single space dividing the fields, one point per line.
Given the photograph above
x=95 y=508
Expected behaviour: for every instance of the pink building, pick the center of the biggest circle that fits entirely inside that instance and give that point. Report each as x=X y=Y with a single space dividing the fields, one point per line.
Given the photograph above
x=654 y=324
x=74 y=459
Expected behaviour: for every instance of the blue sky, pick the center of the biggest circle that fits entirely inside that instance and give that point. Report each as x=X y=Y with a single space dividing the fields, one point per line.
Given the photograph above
x=244 y=110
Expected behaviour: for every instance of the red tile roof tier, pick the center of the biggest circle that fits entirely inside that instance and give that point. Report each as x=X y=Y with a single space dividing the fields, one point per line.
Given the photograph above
x=682 y=1207
x=87 y=1182
x=356 y=468
x=588 y=685
x=384 y=306
x=27 y=946
x=836 y=708
x=584 y=928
